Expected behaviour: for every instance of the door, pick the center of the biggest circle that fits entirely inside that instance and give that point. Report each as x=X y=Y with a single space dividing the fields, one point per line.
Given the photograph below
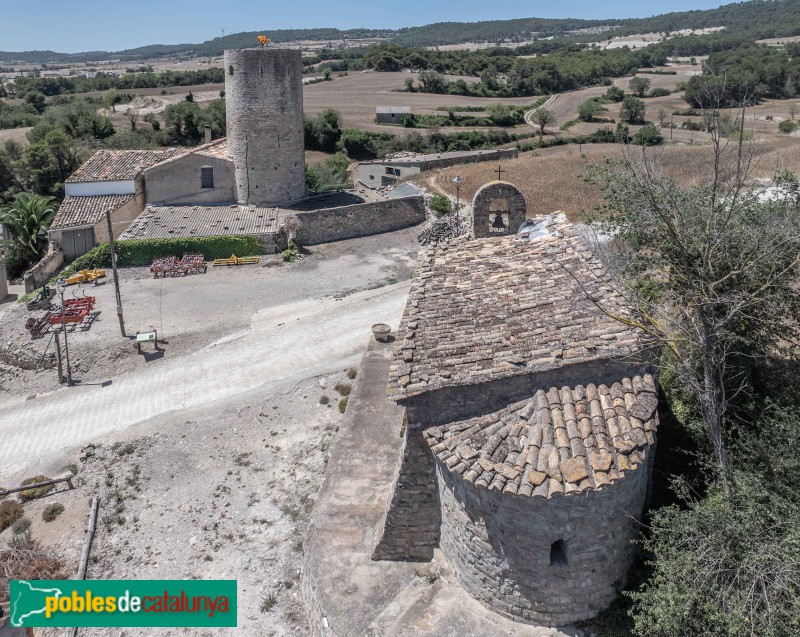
x=74 y=243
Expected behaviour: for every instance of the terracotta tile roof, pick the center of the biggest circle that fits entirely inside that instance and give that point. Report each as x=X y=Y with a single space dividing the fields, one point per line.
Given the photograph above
x=493 y=308
x=157 y=222
x=120 y=165
x=561 y=441
x=86 y=211
x=218 y=148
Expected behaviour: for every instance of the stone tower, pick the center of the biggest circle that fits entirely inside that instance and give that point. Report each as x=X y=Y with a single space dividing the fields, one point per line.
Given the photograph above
x=264 y=111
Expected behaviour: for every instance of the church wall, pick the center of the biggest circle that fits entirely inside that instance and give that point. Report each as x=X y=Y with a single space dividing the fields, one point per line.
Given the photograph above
x=410 y=529
x=500 y=545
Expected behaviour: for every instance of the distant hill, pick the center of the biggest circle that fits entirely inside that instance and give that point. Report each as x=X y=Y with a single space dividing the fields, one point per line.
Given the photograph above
x=755 y=18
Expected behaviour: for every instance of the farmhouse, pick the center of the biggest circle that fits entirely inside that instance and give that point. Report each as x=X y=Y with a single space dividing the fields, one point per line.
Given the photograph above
x=530 y=423
x=390 y=171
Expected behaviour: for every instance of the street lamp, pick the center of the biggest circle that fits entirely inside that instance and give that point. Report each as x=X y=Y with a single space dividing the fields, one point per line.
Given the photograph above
x=61 y=285
x=458 y=181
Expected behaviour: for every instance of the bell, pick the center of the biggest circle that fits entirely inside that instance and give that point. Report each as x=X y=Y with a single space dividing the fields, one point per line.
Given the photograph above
x=498 y=222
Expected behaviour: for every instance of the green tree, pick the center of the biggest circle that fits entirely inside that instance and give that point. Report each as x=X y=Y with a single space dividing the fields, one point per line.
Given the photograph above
x=322 y=131
x=632 y=110
x=25 y=217
x=614 y=94
x=648 y=135
x=409 y=85
x=590 y=109
x=46 y=164
x=357 y=144
x=110 y=99
x=639 y=85
x=543 y=117
x=189 y=97
x=37 y=100
x=432 y=82
x=326 y=74
x=710 y=273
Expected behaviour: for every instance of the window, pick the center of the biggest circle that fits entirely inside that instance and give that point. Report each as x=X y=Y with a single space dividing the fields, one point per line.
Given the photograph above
x=372 y=177
x=390 y=171
x=207 y=177
x=558 y=553
x=230 y=70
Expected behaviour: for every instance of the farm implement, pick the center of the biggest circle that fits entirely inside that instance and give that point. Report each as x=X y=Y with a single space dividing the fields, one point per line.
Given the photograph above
x=74 y=311
x=39 y=326
x=234 y=260
x=188 y=264
x=85 y=276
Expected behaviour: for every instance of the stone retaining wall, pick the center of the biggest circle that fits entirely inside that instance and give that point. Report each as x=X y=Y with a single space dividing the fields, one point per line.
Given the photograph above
x=359 y=220
x=499 y=546
x=43 y=271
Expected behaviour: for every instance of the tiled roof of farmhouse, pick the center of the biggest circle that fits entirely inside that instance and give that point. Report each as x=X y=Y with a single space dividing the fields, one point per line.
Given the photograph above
x=563 y=440
x=120 y=165
x=493 y=308
x=86 y=211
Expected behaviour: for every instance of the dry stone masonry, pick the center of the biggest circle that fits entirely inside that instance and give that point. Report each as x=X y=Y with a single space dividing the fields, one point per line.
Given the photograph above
x=498 y=209
x=264 y=111
x=532 y=414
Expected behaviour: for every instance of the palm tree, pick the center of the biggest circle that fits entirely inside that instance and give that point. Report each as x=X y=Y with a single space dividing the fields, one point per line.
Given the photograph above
x=25 y=217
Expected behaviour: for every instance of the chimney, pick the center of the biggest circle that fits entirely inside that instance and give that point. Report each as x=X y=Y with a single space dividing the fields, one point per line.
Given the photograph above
x=208 y=134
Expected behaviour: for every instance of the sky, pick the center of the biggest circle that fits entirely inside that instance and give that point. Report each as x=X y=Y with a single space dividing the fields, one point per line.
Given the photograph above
x=112 y=25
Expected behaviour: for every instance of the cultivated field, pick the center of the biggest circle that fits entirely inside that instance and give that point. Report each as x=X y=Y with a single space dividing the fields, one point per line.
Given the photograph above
x=356 y=96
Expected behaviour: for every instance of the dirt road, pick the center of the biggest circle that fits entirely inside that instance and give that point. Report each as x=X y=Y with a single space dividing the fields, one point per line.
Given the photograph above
x=293 y=340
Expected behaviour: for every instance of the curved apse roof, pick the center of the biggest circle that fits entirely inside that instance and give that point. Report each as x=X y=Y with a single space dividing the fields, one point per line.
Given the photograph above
x=561 y=441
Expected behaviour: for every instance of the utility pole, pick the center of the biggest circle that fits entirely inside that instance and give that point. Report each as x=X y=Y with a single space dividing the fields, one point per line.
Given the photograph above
x=114 y=269
x=56 y=333
x=61 y=285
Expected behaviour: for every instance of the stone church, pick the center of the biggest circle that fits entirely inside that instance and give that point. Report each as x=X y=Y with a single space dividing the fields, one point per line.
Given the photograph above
x=530 y=425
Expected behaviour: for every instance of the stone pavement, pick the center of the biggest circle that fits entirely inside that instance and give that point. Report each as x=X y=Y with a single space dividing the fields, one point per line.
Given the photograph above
x=346 y=593
x=290 y=341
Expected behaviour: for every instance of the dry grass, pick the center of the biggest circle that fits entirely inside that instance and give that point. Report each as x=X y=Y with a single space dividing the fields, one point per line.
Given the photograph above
x=551 y=179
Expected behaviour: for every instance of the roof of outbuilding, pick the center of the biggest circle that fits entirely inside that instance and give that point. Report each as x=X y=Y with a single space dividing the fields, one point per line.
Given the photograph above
x=493 y=308
x=77 y=211
x=157 y=222
x=120 y=165
x=561 y=441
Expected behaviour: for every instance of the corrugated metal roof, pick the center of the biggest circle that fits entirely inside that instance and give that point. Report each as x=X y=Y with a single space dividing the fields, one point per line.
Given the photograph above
x=393 y=109
x=159 y=222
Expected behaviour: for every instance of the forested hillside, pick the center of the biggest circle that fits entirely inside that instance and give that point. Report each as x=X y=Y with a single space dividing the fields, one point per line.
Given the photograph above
x=742 y=21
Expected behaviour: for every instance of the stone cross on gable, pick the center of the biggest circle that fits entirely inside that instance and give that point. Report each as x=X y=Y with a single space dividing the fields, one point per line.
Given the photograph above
x=500 y=171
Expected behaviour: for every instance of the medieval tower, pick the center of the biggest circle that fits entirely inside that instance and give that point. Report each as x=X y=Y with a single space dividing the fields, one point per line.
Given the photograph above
x=264 y=111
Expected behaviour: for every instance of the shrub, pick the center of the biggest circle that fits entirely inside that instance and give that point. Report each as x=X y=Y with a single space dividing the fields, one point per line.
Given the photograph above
x=16 y=263
x=20 y=540
x=351 y=373
x=324 y=400
x=20 y=526
x=659 y=92
x=52 y=511
x=441 y=204
x=648 y=135
x=145 y=251
x=268 y=603
x=344 y=388
x=32 y=494
x=343 y=404
x=788 y=126
x=10 y=512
